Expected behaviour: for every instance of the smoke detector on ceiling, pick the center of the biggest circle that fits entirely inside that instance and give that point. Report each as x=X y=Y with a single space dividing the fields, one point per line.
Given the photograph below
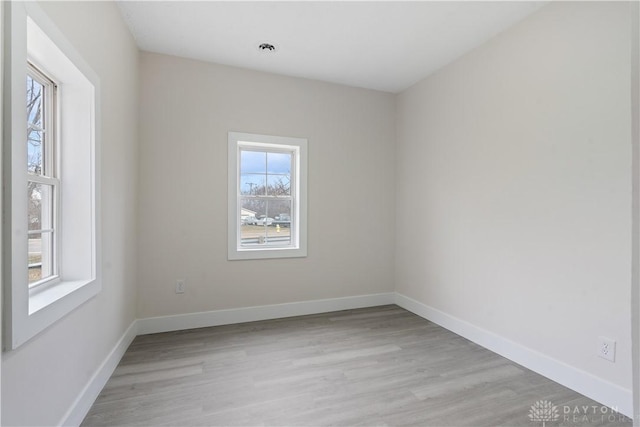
x=267 y=47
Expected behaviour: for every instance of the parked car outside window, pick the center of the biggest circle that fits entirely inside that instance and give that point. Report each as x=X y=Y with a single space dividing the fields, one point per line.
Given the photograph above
x=250 y=220
x=264 y=220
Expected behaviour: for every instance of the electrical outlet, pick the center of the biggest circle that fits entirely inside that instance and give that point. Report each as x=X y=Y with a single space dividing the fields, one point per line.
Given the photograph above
x=180 y=286
x=607 y=349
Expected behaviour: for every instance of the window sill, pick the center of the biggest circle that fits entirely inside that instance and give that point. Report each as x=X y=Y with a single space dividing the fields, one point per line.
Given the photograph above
x=41 y=298
x=266 y=253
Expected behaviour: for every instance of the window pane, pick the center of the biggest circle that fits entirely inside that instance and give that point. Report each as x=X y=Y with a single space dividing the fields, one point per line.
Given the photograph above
x=279 y=163
x=252 y=211
x=265 y=222
x=280 y=231
x=40 y=256
x=279 y=174
x=35 y=151
x=40 y=208
x=35 y=258
x=35 y=120
x=253 y=162
x=278 y=236
x=251 y=234
x=253 y=184
x=279 y=185
x=280 y=210
x=35 y=93
x=40 y=217
x=258 y=206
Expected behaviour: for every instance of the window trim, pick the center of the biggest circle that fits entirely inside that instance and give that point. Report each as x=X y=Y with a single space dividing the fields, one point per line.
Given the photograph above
x=27 y=312
x=298 y=246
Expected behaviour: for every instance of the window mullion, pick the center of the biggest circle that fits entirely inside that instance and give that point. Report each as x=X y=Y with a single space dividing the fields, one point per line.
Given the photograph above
x=42 y=230
x=42 y=179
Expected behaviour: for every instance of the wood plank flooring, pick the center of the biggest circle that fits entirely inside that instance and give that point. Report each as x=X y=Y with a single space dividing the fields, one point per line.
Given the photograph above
x=380 y=366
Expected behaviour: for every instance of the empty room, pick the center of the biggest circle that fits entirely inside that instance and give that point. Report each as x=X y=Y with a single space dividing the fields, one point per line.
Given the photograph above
x=320 y=213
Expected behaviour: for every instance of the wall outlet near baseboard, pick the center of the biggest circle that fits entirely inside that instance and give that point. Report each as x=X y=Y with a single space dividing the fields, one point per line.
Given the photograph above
x=607 y=348
x=180 y=286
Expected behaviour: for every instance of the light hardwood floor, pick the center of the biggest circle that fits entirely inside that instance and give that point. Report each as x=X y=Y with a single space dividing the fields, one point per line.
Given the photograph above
x=379 y=366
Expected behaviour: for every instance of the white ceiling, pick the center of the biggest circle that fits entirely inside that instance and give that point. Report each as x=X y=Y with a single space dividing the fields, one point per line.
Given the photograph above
x=386 y=46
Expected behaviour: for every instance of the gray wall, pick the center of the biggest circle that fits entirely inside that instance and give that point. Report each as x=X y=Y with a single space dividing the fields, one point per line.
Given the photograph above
x=518 y=157
x=187 y=108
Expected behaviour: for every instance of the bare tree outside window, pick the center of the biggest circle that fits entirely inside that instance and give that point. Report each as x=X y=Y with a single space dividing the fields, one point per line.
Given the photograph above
x=35 y=128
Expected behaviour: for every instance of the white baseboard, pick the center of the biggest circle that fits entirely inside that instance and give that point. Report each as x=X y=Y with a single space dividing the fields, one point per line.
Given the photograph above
x=589 y=385
x=83 y=402
x=152 y=325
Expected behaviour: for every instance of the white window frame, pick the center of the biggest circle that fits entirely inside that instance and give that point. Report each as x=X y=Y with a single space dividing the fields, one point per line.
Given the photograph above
x=34 y=38
x=49 y=174
x=296 y=146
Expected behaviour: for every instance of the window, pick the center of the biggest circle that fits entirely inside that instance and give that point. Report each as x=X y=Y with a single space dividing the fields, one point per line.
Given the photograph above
x=42 y=184
x=267 y=196
x=51 y=191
